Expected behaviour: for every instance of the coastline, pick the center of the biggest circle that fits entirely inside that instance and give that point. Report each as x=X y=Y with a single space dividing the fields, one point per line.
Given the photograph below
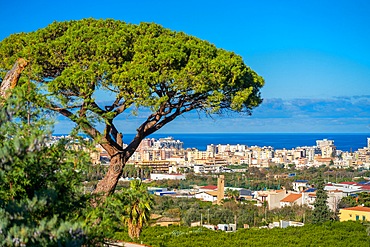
x=343 y=141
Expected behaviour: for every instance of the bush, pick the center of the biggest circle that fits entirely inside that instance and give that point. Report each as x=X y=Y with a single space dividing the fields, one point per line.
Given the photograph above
x=39 y=184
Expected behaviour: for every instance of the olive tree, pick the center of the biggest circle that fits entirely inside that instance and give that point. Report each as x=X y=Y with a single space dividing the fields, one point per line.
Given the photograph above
x=139 y=66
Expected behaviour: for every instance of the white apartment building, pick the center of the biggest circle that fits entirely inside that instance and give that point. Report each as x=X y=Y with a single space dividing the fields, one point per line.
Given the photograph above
x=306 y=156
x=168 y=142
x=327 y=147
x=220 y=148
x=346 y=188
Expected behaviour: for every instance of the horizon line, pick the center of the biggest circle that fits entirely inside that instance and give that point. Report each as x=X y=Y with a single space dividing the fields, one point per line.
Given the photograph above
x=202 y=133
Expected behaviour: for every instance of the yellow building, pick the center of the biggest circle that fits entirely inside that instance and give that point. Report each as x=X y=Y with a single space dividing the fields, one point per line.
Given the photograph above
x=354 y=213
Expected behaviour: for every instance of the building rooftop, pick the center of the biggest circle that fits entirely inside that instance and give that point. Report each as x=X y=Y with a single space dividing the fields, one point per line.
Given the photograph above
x=365 y=187
x=350 y=183
x=364 y=183
x=358 y=208
x=168 y=219
x=209 y=187
x=278 y=191
x=310 y=190
x=291 y=198
x=301 y=181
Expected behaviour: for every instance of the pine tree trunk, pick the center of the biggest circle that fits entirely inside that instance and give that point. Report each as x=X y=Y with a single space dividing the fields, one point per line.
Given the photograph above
x=107 y=185
x=11 y=78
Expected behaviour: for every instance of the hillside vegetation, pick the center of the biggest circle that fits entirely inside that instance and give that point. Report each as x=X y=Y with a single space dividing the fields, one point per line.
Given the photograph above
x=328 y=234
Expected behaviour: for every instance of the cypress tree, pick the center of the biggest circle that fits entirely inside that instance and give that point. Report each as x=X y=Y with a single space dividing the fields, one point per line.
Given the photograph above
x=321 y=212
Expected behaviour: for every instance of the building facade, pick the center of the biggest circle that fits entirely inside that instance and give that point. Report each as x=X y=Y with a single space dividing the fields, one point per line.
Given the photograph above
x=354 y=213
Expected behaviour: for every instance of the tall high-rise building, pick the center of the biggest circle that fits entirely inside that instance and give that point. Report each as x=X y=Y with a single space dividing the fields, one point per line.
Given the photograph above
x=368 y=142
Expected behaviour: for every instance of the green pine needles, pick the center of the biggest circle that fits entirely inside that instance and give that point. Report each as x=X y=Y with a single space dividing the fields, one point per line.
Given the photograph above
x=40 y=190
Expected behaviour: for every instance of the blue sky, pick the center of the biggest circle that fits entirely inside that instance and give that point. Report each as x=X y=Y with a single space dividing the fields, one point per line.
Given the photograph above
x=313 y=55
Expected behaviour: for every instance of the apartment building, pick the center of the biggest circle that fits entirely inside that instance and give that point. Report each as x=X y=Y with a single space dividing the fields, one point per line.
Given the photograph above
x=327 y=147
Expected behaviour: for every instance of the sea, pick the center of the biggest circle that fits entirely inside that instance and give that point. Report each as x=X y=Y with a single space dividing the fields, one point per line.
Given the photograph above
x=345 y=142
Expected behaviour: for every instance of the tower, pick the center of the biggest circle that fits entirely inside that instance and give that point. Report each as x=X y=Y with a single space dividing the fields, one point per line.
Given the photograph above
x=220 y=188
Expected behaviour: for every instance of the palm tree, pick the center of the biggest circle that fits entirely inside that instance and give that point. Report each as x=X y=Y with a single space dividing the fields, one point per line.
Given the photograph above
x=137 y=209
x=232 y=194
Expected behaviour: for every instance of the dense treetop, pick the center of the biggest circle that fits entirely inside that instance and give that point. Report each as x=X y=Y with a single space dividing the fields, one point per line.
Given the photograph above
x=145 y=65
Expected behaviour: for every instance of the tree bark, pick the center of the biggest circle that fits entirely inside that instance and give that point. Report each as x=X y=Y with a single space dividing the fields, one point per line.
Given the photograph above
x=11 y=78
x=107 y=185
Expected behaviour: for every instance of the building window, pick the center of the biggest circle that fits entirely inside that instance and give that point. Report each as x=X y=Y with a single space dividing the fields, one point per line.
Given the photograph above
x=357 y=217
x=350 y=215
x=363 y=218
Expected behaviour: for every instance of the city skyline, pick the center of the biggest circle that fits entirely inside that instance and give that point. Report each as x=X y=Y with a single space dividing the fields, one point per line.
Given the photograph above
x=313 y=56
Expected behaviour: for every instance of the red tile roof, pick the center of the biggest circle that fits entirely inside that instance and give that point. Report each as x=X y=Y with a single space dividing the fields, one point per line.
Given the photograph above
x=365 y=187
x=351 y=183
x=209 y=187
x=358 y=208
x=291 y=198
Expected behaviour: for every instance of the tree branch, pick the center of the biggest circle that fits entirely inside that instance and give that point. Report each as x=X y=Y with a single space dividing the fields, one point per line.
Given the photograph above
x=122 y=107
x=106 y=143
x=114 y=105
x=96 y=109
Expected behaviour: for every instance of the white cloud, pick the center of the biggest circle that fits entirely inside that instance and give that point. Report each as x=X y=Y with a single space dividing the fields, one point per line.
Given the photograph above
x=343 y=115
